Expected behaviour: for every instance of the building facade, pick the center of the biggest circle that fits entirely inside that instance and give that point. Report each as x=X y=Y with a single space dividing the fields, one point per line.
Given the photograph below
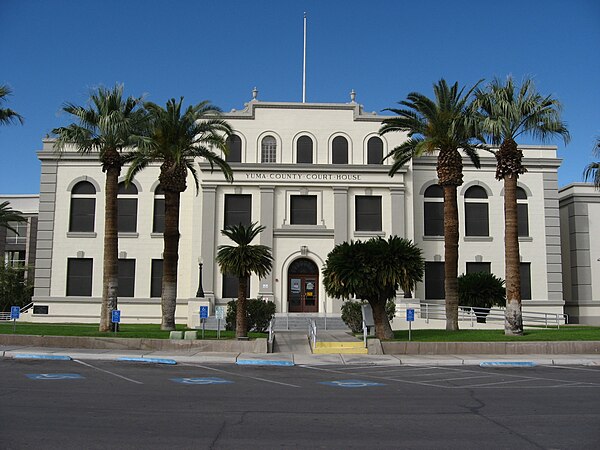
x=19 y=249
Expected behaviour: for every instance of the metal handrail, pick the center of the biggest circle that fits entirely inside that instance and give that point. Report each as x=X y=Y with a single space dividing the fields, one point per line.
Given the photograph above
x=312 y=332
x=271 y=330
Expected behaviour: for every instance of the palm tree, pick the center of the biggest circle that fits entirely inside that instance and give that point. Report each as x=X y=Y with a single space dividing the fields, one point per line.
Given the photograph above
x=7 y=115
x=373 y=271
x=242 y=261
x=593 y=169
x=506 y=112
x=106 y=126
x=8 y=215
x=175 y=139
x=444 y=125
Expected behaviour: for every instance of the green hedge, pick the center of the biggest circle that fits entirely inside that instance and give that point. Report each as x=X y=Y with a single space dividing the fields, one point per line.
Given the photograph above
x=259 y=314
x=352 y=313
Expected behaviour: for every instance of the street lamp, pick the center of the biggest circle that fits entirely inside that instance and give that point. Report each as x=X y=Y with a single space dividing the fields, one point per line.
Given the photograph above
x=200 y=291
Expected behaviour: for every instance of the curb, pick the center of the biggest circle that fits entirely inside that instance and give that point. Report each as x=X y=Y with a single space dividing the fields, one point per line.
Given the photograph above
x=264 y=362
x=147 y=360
x=508 y=364
x=29 y=356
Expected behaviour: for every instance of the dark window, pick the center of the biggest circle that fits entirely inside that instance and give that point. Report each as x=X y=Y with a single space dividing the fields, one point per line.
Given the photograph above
x=525 y=268
x=127 y=205
x=474 y=267
x=231 y=285
x=368 y=213
x=303 y=210
x=375 y=151
x=238 y=209
x=126 y=277
x=158 y=220
x=79 y=277
x=434 y=211
x=268 y=150
x=234 y=144
x=19 y=236
x=304 y=149
x=476 y=212
x=522 y=212
x=156 y=278
x=83 y=207
x=434 y=280
x=40 y=309
x=339 y=150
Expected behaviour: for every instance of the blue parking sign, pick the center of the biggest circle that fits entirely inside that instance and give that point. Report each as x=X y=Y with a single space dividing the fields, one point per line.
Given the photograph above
x=204 y=312
x=410 y=315
x=15 y=312
x=116 y=316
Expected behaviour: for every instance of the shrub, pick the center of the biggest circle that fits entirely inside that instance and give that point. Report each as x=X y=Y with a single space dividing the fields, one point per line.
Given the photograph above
x=259 y=312
x=481 y=291
x=352 y=313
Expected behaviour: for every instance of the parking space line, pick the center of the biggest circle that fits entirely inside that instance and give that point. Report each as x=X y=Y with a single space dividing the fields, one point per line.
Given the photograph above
x=239 y=375
x=574 y=368
x=107 y=371
x=460 y=378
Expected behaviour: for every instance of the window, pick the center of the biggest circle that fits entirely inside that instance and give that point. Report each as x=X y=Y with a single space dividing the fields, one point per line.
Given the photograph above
x=304 y=150
x=268 y=153
x=156 y=278
x=234 y=144
x=127 y=205
x=525 y=269
x=126 y=277
x=83 y=207
x=20 y=237
x=368 y=213
x=476 y=212
x=231 y=285
x=15 y=258
x=522 y=212
x=474 y=267
x=238 y=209
x=434 y=280
x=158 y=219
x=339 y=150
x=79 y=277
x=434 y=211
x=303 y=210
x=375 y=151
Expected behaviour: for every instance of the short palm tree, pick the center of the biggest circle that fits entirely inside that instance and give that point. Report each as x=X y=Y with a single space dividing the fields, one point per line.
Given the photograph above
x=592 y=171
x=175 y=138
x=241 y=261
x=442 y=125
x=7 y=115
x=105 y=127
x=8 y=215
x=372 y=271
x=505 y=112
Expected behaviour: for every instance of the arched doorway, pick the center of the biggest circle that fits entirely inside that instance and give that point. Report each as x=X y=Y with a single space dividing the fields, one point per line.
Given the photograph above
x=303 y=286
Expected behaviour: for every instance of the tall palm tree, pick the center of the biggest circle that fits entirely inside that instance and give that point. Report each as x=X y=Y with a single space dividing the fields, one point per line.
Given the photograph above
x=105 y=127
x=7 y=115
x=175 y=138
x=442 y=124
x=506 y=112
x=8 y=215
x=242 y=261
x=592 y=170
x=373 y=271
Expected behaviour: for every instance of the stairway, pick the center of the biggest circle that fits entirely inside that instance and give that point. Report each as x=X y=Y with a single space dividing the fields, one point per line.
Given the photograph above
x=336 y=341
x=285 y=322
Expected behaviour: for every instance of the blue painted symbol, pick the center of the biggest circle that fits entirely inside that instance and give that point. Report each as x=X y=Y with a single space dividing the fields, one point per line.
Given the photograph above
x=351 y=383
x=15 y=312
x=204 y=312
x=209 y=380
x=54 y=376
x=410 y=315
x=116 y=316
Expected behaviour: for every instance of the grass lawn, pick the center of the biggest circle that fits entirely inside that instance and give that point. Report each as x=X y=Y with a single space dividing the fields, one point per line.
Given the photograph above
x=565 y=333
x=151 y=331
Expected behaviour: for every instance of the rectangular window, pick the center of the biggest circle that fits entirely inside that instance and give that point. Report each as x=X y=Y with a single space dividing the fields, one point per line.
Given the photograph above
x=525 y=281
x=15 y=258
x=434 y=218
x=126 y=277
x=158 y=222
x=434 y=280
x=303 y=210
x=476 y=219
x=231 y=285
x=523 y=219
x=20 y=237
x=127 y=220
x=83 y=212
x=238 y=209
x=79 y=277
x=156 y=278
x=474 y=267
x=368 y=213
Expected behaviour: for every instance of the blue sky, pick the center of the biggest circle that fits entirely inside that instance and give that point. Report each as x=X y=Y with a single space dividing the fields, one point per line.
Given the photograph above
x=56 y=51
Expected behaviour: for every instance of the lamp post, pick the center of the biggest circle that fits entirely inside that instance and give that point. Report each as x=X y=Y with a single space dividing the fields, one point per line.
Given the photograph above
x=200 y=291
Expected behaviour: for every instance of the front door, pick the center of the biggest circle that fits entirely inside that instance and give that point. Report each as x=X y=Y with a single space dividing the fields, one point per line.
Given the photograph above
x=303 y=286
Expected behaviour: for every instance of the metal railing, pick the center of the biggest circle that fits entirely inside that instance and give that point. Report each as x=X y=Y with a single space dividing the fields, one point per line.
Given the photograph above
x=312 y=332
x=271 y=331
x=6 y=315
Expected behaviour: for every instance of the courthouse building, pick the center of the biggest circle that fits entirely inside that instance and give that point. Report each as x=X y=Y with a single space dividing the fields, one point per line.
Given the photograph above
x=312 y=174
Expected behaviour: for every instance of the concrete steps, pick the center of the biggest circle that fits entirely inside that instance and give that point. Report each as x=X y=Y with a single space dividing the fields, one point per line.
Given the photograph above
x=348 y=348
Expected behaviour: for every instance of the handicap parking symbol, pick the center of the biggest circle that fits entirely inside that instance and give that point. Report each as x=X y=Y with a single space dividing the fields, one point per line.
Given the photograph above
x=351 y=383
x=208 y=380
x=54 y=376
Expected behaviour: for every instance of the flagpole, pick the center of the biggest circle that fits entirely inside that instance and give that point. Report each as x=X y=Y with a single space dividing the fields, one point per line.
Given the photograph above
x=304 y=65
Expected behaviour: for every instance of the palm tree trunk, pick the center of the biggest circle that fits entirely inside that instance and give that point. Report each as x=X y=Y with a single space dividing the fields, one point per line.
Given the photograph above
x=383 y=329
x=513 y=322
x=170 y=257
x=111 y=249
x=451 y=256
x=241 y=326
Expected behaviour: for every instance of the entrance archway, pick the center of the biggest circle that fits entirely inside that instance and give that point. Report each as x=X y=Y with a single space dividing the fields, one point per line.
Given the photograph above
x=303 y=286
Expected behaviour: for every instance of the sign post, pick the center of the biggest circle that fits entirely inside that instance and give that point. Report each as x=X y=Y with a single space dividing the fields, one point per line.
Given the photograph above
x=15 y=312
x=203 y=317
x=220 y=315
x=410 y=318
x=116 y=319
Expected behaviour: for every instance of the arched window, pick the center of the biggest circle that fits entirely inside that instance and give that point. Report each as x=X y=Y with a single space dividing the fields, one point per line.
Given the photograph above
x=522 y=212
x=127 y=205
x=83 y=207
x=375 y=151
x=477 y=222
x=304 y=150
x=158 y=222
x=234 y=143
x=339 y=150
x=433 y=221
x=268 y=150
